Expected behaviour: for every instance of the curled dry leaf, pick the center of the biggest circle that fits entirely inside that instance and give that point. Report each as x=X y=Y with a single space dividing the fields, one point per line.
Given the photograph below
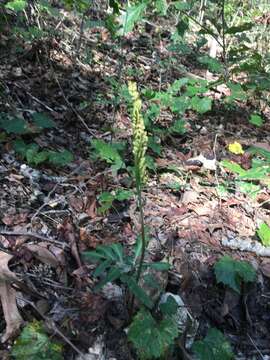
x=8 y=298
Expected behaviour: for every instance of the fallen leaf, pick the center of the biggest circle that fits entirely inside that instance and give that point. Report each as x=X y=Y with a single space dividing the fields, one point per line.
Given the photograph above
x=189 y=196
x=12 y=316
x=265 y=268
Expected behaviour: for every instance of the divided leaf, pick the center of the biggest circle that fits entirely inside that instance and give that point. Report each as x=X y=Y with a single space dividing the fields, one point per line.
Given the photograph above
x=232 y=272
x=149 y=337
x=35 y=344
x=264 y=234
x=213 y=347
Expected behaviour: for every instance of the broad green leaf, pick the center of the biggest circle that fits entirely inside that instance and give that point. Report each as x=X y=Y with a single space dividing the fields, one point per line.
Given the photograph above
x=212 y=64
x=239 y=28
x=114 y=4
x=213 y=347
x=137 y=291
x=34 y=344
x=122 y=195
x=113 y=274
x=16 y=5
x=159 y=266
x=43 y=121
x=93 y=256
x=264 y=234
x=232 y=272
x=256 y=120
x=233 y=167
x=130 y=17
x=258 y=173
x=154 y=145
x=118 y=250
x=161 y=6
x=107 y=152
x=151 y=338
x=108 y=252
x=182 y=26
x=237 y=92
x=179 y=104
x=60 y=158
x=201 y=105
x=170 y=307
x=248 y=188
x=102 y=267
x=260 y=151
x=179 y=127
x=14 y=125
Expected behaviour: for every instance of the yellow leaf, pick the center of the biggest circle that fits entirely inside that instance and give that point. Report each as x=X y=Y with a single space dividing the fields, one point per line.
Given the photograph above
x=236 y=148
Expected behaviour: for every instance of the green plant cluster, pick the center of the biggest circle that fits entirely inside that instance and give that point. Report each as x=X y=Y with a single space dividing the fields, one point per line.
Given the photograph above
x=18 y=127
x=34 y=344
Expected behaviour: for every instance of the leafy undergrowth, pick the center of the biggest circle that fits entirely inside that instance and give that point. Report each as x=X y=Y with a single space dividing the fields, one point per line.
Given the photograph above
x=67 y=174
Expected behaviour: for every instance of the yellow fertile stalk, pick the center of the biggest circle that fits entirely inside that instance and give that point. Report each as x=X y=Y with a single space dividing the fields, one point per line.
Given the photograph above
x=140 y=139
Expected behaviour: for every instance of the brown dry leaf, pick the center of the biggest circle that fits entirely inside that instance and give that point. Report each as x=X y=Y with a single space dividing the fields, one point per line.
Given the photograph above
x=265 y=268
x=189 y=196
x=68 y=231
x=14 y=219
x=76 y=203
x=236 y=220
x=8 y=298
x=47 y=253
x=208 y=208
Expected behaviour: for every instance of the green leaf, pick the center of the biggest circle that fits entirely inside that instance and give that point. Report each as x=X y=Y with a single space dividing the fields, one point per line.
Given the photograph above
x=182 y=26
x=201 y=105
x=237 y=92
x=102 y=267
x=43 y=121
x=34 y=344
x=112 y=275
x=114 y=4
x=60 y=158
x=159 y=266
x=93 y=255
x=256 y=120
x=212 y=64
x=16 y=5
x=108 y=153
x=264 y=234
x=233 y=167
x=170 y=307
x=240 y=28
x=118 y=250
x=231 y=272
x=179 y=127
x=260 y=151
x=151 y=338
x=213 y=347
x=122 y=195
x=137 y=291
x=161 y=6
x=130 y=17
x=13 y=125
x=258 y=173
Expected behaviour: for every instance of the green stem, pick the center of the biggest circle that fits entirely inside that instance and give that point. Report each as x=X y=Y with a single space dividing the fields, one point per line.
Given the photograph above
x=139 y=195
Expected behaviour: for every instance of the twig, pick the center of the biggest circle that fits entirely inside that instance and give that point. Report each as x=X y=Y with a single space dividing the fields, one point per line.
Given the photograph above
x=33 y=235
x=35 y=99
x=74 y=110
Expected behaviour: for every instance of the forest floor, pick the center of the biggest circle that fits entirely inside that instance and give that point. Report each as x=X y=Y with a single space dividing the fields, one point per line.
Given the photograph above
x=190 y=223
